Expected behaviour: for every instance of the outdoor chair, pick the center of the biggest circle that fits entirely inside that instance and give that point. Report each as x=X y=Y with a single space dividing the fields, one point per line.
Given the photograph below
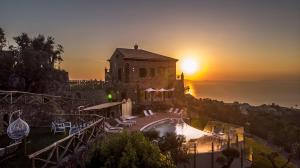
x=176 y=110
x=75 y=129
x=151 y=112
x=130 y=117
x=58 y=127
x=181 y=111
x=107 y=125
x=146 y=113
x=170 y=110
x=122 y=123
x=107 y=130
x=68 y=124
x=128 y=120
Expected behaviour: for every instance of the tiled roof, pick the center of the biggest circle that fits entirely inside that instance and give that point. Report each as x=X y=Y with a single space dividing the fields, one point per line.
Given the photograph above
x=139 y=54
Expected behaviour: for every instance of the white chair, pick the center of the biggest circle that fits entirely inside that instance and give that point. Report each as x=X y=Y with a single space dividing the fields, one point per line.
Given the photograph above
x=181 y=111
x=107 y=125
x=122 y=123
x=111 y=131
x=130 y=117
x=73 y=129
x=58 y=127
x=146 y=113
x=176 y=110
x=170 y=110
x=128 y=120
x=68 y=124
x=151 y=112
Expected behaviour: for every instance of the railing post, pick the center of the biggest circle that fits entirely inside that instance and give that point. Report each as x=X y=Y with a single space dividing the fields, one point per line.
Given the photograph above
x=11 y=99
x=33 y=162
x=57 y=154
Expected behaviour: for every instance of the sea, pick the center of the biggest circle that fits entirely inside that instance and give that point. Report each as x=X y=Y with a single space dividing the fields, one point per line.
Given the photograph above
x=284 y=93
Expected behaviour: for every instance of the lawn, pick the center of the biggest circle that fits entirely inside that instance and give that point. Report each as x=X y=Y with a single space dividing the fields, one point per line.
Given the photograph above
x=38 y=138
x=260 y=161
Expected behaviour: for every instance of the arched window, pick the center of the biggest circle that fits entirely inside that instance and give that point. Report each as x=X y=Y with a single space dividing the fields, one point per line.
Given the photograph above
x=127 y=71
x=120 y=74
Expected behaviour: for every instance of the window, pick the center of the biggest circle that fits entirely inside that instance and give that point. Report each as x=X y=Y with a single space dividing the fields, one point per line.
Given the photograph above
x=143 y=72
x=127 y=71
x=120 y=74
x=152 y=72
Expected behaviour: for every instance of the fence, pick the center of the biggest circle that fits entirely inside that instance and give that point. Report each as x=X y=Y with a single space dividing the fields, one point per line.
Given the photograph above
x=53 y=154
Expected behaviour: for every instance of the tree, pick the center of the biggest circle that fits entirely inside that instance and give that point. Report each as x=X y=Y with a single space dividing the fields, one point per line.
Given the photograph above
x=2 y=39
x=228 y=156
x=23 y=41
x=172 y=143
x=127 y=150
x=30 y=66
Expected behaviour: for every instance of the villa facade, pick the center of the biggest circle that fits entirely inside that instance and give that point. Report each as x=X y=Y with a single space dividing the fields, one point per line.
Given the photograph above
x=133 y=71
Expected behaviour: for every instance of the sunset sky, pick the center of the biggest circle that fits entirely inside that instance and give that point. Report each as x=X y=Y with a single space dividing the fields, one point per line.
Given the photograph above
x=229 y=39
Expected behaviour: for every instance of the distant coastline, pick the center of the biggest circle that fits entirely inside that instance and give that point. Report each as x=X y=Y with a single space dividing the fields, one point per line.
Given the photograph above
x=282 y=92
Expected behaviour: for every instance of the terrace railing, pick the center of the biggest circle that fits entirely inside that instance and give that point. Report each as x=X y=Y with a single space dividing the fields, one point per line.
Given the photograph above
x=18 y=97
x=52 y=155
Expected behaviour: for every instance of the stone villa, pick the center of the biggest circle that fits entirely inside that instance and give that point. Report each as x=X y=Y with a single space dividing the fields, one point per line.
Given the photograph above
x=133 y=71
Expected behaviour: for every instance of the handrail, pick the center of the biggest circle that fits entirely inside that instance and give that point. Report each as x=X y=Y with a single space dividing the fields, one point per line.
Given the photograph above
x=66 y=138
x=53 y=154
x=39 y=94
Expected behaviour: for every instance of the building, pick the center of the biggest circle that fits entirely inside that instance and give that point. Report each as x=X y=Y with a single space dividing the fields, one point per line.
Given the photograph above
x=143 y=76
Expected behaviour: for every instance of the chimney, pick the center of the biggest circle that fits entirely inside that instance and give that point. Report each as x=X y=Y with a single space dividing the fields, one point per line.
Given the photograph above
x=136 y=46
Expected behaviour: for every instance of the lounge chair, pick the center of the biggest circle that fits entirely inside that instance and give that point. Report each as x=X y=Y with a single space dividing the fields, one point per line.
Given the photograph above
x=127 y=120
x=181 y=111
x=151 y=112
x=130 y=117
x=176 y=110
x=170 y=110
x=107 y=125
x=58 y=127
x=111 y=131
x=146 y=113
x=122 y=123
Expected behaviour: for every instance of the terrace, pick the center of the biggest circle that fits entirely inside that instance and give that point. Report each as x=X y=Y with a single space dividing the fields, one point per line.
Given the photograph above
x=48 y=149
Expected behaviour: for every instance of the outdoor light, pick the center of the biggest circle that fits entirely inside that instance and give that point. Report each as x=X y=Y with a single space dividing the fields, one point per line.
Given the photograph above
x=109 y=97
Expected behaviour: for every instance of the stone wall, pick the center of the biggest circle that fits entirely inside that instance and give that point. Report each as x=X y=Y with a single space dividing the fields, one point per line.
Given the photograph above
x=93 y=96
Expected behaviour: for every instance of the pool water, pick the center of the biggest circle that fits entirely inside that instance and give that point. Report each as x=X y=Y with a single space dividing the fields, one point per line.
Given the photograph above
x=177 y=126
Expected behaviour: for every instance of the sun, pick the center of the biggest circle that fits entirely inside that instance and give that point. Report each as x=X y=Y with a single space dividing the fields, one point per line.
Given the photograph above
x=189 y=66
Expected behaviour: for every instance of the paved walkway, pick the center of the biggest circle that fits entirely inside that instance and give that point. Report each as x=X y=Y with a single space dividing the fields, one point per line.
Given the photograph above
x=142 y=121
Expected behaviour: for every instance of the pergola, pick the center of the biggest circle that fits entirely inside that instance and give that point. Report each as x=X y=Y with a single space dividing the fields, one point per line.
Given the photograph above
x=161 y=91
x=109 y=109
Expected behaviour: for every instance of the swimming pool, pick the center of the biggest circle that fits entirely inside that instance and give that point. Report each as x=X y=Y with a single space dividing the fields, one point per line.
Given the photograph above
x=175 y=125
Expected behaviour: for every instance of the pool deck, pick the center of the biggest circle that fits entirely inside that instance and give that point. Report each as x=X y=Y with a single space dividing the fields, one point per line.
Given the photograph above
x=143 y=121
